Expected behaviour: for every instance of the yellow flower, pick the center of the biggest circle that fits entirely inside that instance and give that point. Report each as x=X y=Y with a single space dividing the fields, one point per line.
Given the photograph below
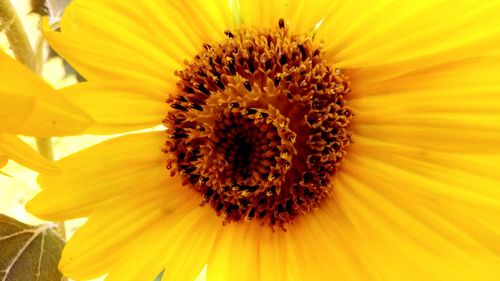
x=259 y=96
x=28 y=106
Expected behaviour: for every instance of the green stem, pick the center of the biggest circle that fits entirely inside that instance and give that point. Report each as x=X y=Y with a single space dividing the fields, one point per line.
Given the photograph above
x=16 y=35
x=39 y=54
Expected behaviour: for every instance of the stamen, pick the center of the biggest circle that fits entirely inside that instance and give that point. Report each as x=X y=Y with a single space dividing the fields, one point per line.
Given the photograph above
x=259 y=125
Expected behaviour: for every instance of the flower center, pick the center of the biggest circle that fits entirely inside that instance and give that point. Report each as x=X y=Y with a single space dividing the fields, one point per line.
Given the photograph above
x=259 y=125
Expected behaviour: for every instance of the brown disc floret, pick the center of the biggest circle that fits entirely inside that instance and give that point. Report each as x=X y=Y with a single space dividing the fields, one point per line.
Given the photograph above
x=259 y=124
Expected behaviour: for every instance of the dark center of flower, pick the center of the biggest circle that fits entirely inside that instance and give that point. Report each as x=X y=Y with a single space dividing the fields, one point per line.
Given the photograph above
x=258 y=125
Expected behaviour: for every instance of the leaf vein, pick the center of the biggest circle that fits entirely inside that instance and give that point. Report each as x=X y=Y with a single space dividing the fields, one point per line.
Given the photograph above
x=16 y=234
x=36 y=232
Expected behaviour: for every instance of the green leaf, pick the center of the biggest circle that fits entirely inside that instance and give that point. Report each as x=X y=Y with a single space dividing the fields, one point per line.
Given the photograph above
x=29 y=253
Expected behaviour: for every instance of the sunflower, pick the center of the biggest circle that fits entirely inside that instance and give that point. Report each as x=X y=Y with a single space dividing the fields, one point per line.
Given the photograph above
x=304 y=140
x=28 y=106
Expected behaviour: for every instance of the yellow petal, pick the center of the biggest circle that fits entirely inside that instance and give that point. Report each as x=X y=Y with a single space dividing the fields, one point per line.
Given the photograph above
x=240 y=238
x=112 y=39
x=184 y=264
x=352 y=22
x=301 y=16
x=14 y=110
x=451 y=133
x=98 y=174
x=389 y=32
x=320 y=251
x=391 y=234
x=452 y=107
x=29 y=106
x=15 y=149
x=459 y=178
x=473 y=77
x=406 y=210
x=149 y=254
x=98 y=244
x=3 y=161
x=119 y=107
x=342 y=237
x=273 y=258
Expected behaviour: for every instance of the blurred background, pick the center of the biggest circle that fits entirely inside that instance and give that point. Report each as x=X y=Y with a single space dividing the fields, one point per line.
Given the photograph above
x=18 y=184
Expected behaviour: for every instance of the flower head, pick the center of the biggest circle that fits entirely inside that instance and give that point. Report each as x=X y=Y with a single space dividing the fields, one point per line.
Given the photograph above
x=28 y=106
x=350 y=140
x=258 y=125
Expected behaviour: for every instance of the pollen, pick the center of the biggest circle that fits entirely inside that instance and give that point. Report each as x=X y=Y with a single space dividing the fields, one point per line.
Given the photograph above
x=258 y=125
